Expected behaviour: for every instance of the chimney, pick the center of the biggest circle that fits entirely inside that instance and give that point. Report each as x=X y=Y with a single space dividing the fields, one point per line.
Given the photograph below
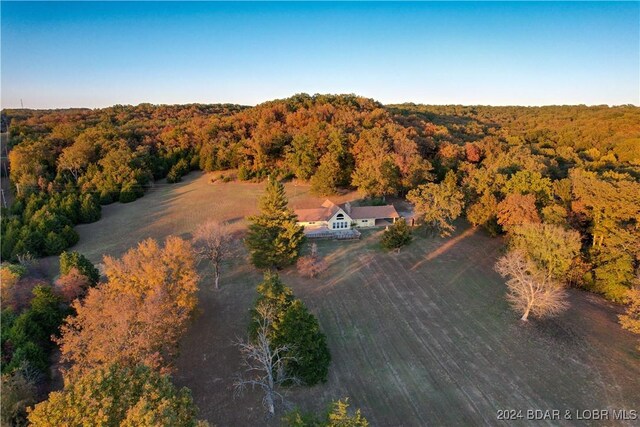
x=347 y=208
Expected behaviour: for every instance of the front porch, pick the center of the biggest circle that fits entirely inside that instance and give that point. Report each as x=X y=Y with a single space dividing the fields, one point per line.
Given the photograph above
x=326 y=233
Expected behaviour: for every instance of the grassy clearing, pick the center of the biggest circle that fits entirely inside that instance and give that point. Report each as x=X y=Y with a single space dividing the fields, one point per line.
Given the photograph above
x=423 y=337
x=178 y=209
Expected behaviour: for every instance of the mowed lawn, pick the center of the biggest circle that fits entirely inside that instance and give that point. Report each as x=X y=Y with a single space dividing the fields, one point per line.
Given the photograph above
x=423 y=337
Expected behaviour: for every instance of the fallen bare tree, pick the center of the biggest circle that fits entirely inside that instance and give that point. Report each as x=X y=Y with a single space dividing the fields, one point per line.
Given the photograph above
x=264 y=364
x=531 y=291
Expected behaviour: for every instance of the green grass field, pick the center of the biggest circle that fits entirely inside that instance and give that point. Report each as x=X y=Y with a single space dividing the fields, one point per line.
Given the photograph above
x=423 y=337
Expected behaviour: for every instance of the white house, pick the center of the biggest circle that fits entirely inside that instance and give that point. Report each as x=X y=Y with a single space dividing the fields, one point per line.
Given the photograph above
x=332 y=217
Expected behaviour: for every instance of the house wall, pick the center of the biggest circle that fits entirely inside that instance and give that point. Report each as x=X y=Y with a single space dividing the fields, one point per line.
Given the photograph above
x=363 y=223
x=312 y=224
x=346 y=222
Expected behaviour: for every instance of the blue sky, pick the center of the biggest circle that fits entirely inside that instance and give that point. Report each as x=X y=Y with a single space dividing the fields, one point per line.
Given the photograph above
x=99 y=54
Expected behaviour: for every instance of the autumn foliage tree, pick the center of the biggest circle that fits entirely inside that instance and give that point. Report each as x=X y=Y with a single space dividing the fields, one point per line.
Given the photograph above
x=15 y=287
x=438 y=205
x=139 y=314
x=552 y=248
x=71 y=285
x=517 y=209
x=117 y=395
x=484 y=212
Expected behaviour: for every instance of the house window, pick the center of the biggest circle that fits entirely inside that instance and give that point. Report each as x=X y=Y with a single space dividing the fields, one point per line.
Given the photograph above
x=311 y=222
x=365 y=220
x=340 y=217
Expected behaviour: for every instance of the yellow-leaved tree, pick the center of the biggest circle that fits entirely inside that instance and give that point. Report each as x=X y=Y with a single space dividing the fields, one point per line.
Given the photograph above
x=118 y=396
x=139 y=314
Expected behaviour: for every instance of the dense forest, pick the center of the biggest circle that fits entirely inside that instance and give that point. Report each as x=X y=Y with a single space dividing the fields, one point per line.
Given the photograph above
x=573 y=166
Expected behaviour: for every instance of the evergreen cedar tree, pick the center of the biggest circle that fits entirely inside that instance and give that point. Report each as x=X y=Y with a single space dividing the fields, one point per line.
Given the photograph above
x=572 y=166
x=117 y=396
x=396 y=235
x=26 y=336
x=294 y=326
x=32 y=314
x=338 y=415
x=69 y=260
x=274 y=238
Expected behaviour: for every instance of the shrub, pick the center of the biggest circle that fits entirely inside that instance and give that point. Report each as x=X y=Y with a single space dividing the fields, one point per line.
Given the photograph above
x=107 y=197
x=397 y=235
x=70 y=260
x=90 y=210
x=70 y=235
x=127 y=194
x=336 y=416
x=54 y=243
x=311 y=265
x=244 y=174
x=71 y=285
x=177 y=171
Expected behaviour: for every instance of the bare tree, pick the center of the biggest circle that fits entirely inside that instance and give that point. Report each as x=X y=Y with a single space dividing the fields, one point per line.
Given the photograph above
x=531 y=291
x=264 y=364
x=311 y=265
x=213 y=241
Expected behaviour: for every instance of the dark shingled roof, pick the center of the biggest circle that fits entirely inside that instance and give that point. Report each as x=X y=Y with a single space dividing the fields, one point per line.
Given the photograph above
x=324 y=213
x=373 y=212
x=329 y=209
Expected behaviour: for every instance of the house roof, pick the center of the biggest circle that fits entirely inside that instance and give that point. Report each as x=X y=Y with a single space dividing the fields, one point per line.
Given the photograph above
x=329 y=209
x=373 y=212
x=324 y=213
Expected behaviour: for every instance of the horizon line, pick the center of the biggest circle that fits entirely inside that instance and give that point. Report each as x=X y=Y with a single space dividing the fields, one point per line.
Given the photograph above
x=158 y=104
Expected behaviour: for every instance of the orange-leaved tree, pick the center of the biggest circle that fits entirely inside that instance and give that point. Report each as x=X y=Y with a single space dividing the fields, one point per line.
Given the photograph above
x=139 y=314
